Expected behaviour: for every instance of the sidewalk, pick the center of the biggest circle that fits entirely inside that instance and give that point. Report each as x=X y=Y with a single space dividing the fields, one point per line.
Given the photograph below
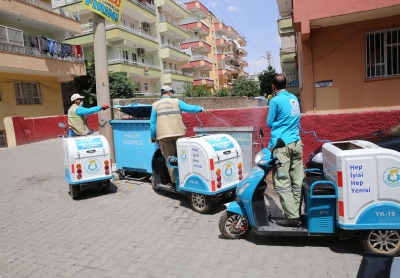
x=135 y=232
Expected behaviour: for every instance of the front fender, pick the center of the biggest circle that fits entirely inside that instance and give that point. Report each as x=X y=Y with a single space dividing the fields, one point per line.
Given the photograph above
x=236 y=207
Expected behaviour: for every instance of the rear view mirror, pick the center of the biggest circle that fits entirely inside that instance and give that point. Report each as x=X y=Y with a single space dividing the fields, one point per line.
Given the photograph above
x=62 y=125
x=261 y=132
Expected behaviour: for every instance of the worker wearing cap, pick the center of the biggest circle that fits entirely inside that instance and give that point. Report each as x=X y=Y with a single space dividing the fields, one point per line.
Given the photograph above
x=166 y=124
x=76 y=116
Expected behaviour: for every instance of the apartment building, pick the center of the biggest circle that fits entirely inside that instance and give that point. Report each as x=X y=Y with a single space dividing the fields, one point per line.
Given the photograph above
x=34 y=61
x=216 y=49
x=348 y=54
x=288 y=46
x=146 y=44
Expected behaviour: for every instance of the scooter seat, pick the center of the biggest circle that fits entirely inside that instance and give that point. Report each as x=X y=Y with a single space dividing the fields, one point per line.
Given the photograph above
x=319 y=189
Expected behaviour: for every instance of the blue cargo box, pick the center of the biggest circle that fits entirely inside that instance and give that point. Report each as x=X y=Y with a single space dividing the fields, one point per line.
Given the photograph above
x=133 y=150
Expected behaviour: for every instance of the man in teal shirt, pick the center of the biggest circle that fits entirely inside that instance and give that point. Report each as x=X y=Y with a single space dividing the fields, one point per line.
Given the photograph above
x=284 y=119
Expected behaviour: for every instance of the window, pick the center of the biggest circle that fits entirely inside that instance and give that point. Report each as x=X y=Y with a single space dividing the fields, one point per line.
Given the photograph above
x=27 y=93
x=11 y=36
x=383 y=53
x=3 y=142
x=137 y=85
x=143 y=62
x=175 y=67
x=165 y=65
x=125 y=55
x=132 y=26
x=162 y=40
x=134 y=57
x=173 y=44
x=122 y=22
x=170 y=66
x=146 y=87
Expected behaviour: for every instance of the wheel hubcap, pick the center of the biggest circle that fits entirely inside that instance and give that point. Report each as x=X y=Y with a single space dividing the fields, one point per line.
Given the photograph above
x=383 y=241
x=198 y=200
x=231 y=225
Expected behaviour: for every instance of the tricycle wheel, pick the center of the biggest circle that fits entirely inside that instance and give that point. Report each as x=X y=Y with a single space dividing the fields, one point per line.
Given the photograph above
x=229 y=196
x=74 y=191
x=153 y=185
x=200 y=202
x=228 y=222
x=107 y=187
x=381 y=241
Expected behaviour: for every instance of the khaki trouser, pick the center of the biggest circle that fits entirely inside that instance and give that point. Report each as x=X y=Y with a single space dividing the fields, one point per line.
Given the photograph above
x=288 y=178
x=168 y=148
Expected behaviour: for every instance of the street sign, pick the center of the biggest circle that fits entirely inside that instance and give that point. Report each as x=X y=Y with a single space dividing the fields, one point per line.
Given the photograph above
x=109 y=9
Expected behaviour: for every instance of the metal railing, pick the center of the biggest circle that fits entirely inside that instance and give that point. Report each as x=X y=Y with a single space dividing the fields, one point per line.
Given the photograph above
x=127 y=61
x=285 y=15
x=46 y=6
x=201 y=57
x=60 y=3
x=88 y=28
x=148 y=7
x=178 y=72
x=196 y=40
x=173 y=47
x=32 y=51
x=181 y=4
x=168 y=19
x=146 y=93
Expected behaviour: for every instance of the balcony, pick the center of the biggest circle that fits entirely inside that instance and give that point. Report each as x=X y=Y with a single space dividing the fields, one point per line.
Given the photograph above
x=242 y=41
x=220 y=27
x=116 y=33
x=36 y=12
x=223 y=69
x=199 y=62
x=242 y=52
x=175 y=7
x=243 y=63
x=285 y=25
x=223 y=56
x=134 y=69
x=199 y=26
x=29 y=60
x=288 y=43
x=198 y=45
x=203 y=81
x=197 y=8
x=171 y=27
x=232 y=32
x=287 y=58
x=172 y=52
x=243 y=74
x=170 y=75
x=233 y=56
x=221 y=40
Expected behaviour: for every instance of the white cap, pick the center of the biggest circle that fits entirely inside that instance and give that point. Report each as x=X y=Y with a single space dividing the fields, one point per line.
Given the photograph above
x=76 y=96
x=166 y=88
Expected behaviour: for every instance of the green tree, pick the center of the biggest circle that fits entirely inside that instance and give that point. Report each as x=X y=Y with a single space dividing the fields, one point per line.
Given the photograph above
x=265 y=78
x=245 y=87
x=223 y=92
x=195 y=91
x=120 y=85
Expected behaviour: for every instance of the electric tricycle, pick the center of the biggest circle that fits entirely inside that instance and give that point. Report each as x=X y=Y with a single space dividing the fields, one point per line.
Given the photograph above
x=210 y=167
x=358 y=194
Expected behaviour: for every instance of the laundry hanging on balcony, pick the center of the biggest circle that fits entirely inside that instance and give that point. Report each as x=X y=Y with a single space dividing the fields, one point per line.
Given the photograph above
x=57 y=48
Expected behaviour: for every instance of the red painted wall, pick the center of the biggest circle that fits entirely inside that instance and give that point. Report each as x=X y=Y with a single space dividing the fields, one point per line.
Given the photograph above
x=29 y=130
x=327 y=126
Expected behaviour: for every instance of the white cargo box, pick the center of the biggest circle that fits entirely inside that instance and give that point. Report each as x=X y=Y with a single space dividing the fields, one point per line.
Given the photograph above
x=368 y=179
x=86 y=159
x=209 y=164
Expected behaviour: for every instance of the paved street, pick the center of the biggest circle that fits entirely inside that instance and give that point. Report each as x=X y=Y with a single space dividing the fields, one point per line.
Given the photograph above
x=135 y=232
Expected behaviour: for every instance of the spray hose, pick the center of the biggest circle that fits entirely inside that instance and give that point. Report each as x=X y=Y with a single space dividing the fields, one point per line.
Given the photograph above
x=315 y=135
x=201 y=126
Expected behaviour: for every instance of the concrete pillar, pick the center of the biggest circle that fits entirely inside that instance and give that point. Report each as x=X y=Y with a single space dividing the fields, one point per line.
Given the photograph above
x=10 y=133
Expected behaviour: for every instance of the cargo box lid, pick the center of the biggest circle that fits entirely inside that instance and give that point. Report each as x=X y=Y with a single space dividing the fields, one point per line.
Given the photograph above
x=136 y=110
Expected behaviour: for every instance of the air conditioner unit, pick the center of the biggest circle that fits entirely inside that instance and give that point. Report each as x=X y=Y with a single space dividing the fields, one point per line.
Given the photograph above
x=140 y=51
x=146 y=26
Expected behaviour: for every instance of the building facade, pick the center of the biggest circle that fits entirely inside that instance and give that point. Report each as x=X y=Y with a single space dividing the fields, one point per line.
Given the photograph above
x=166 y=42
x=348 y=54
x=33 y=61
x=288 y=46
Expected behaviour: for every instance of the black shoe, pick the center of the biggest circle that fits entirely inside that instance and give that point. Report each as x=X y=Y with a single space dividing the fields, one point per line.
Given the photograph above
x=289 y=222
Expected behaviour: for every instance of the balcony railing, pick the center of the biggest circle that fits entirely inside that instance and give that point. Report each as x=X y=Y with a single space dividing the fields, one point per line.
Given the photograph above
x=201 y=57
x=219 y=36
x=196 y=40
x=181 y=4
x=178 y=72
x=88 y=28
x=46 y=6
x=148 y=7
x=164 y=18
x=59 y=3
x=173 y=47
x=291 y=75
x=285 y=15
x=127 y=61
x=32 y=51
